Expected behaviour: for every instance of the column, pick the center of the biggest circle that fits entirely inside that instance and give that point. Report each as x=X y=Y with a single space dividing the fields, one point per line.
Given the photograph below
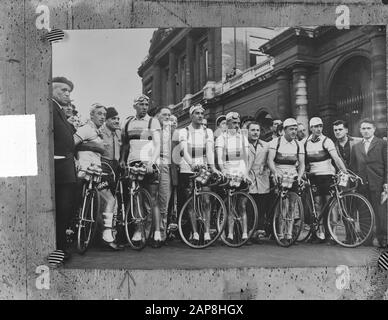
x=283 y=92
x=211 y=61
x=197 y=67
x=299 y=81
x=189 y=64
x=156 y=85
x=171 y=77
x=379 y=103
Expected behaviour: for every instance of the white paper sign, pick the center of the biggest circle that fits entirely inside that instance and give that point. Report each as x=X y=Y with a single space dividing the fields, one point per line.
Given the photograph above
x=18 y=154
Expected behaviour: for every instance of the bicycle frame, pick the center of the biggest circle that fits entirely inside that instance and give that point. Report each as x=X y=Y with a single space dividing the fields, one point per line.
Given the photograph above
x=335 y=194
x=87 y=190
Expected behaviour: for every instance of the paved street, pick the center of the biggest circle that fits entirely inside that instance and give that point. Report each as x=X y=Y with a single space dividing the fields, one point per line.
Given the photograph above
x=178 y=256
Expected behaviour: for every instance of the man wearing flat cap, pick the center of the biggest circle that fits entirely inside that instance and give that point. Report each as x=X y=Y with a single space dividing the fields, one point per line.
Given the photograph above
x=320 y=155
x=64 y=149
x=111 y=137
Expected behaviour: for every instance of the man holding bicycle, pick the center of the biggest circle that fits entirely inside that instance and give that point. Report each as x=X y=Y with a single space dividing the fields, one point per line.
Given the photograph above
x=320 y=152
x=286 y=162
x=232 y=156
x=197 y=148
x=141 y=143
x=90 y=146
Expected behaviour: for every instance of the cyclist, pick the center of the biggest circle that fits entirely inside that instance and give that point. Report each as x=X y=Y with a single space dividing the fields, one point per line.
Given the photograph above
x=89 y=142
x=140 y=138
x=320 y=152
x=286 y=161
x=197 y=147
x=232 y=157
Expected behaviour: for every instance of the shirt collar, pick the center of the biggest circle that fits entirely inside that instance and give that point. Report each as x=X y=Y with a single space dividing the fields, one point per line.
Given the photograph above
x=317 y=139
x=285 y=140
x=146 y=118
x=369 y=140
x=91 y=123
x=57 y=103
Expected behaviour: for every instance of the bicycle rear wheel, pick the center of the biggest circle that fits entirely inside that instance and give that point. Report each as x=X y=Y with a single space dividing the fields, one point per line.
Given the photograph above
x=202 y=216
x=306 y=228
x=239 y=220
x=86 y=225
x=350 y=220
x=138 y=219
x=288 y=219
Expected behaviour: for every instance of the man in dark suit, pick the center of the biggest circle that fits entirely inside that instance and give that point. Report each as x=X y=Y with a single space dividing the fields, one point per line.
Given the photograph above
x=369 y=160
x=344 y=143
x=65 y=173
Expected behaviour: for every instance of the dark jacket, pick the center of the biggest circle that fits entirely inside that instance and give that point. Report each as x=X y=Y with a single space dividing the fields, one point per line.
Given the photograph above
x=352 y=142
x=63 y=146
x=371 y=167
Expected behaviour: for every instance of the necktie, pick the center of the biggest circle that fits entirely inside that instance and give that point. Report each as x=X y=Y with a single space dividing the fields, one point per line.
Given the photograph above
x=366 y=145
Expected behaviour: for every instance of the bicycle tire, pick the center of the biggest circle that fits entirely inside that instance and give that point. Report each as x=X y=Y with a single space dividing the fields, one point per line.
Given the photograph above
x=87 y=229
x=306 y=230
x=142 y=221
x=216 y=225
x=237 y=227
x=361 y=206
x=296 y=229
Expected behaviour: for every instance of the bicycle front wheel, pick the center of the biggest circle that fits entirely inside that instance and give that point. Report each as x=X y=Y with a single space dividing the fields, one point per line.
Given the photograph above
x=138 y=219
x=241 y=220
x=199 y=221
x=350 y=220
x=86 y=226
x=288 y=219
x=308 y=221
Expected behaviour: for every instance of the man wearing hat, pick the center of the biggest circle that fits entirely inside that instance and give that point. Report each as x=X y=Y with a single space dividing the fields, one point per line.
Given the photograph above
x=286 y=161
x=232 y=157
x=220 y=126
x=197 y=145
x=111 y=137
x=275 y=124
x=64 y=164
x=320 y=151
x=90 y=146
x=140 y=142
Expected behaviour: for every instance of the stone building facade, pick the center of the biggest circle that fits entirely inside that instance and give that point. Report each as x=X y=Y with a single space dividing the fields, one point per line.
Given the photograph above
x=271 y=73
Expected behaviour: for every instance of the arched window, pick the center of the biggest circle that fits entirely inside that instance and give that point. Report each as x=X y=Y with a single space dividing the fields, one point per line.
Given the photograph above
x=351 y=91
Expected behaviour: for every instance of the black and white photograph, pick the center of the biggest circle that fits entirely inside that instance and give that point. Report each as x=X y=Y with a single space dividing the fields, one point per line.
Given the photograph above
x=191 y=163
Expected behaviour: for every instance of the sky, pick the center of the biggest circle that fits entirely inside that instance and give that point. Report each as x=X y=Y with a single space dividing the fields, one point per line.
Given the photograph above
x=103 y=65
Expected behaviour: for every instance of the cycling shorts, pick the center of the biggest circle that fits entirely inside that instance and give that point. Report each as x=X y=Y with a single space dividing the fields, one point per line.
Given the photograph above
x=322 y=184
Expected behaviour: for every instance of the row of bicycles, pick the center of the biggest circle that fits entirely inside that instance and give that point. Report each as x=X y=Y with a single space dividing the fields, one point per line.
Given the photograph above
x=220 y=208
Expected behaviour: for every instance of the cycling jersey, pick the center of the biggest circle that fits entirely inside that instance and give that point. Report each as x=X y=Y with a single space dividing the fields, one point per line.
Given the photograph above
x=235 y=152
x=318 y=155
x=196 y=144
x=287 y=154
x=138 y=133
x=89 y=133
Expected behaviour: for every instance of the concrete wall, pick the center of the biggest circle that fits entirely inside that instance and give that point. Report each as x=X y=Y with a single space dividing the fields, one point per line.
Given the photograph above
x=250 y=101
x=26 y=204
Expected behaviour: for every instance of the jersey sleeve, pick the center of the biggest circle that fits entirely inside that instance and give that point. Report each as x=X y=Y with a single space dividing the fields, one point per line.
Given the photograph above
x=210 y=136
x=301 y=147
x=183 y=135
x=272 y=144
x=86 y=133
x=220 y=142
x=329 y=145
x=155 y=124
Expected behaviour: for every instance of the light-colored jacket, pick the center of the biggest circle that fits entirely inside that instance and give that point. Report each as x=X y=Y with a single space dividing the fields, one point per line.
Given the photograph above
x=258 y=169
